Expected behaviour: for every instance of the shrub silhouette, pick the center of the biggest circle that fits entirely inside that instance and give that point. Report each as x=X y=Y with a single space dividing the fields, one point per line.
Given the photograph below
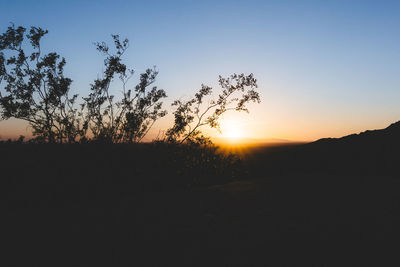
x=191 y=115
x=140 y=167
x=36 y=89
x=129 y=119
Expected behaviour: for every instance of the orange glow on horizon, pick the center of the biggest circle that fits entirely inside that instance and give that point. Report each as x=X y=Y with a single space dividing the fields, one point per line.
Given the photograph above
x=244 y=129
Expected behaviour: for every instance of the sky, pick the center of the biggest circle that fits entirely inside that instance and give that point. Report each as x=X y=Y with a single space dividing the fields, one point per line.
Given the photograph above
x=324 y=68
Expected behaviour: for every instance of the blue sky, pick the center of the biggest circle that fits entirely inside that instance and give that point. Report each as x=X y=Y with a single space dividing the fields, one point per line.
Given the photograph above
x=325 y=68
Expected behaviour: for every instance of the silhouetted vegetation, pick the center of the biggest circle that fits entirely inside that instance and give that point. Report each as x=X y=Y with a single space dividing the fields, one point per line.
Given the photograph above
x=37 y=92
x=191 y=115
x=147 y=166
x=127 y=120
x=36 y=89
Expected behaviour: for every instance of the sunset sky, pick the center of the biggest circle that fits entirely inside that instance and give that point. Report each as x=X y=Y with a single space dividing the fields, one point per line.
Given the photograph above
x=324 y=68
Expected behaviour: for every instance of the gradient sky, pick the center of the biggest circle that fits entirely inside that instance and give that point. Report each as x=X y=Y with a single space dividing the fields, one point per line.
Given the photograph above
x=325 y=68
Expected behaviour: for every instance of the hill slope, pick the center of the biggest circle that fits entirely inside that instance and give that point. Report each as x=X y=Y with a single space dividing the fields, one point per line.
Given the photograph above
x=372 y=151
x=391 y=135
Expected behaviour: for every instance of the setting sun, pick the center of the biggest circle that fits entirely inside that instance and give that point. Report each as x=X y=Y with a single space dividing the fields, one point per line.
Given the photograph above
x=231 y=130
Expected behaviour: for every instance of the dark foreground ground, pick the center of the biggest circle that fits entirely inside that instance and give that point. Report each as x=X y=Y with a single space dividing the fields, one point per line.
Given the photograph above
x=137 y=206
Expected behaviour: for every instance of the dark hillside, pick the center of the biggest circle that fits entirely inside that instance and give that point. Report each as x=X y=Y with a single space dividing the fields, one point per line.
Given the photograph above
x=333 y=202
x=370 y=152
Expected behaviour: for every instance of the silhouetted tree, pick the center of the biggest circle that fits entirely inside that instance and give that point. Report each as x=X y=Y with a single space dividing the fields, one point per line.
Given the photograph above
x=36 y=89
x=129 y=119
x=237 y=91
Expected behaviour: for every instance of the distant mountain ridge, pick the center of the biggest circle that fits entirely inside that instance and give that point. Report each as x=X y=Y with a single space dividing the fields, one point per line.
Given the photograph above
x=392 y=131
x=369 y=152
